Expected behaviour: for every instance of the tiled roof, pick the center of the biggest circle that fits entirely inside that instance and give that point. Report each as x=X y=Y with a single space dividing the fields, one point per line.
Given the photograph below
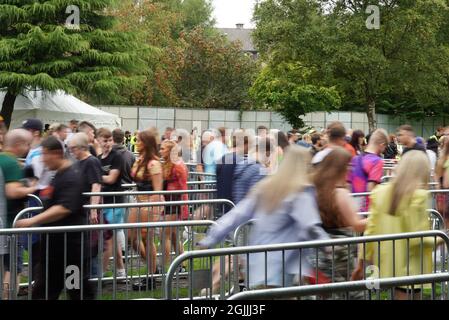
x=242 y=35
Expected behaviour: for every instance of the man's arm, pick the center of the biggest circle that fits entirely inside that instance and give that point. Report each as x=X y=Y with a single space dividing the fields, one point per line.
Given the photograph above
x=112 y=177
x=15 y=190
x=96 y=187
x=116 y=168
x=54 y=213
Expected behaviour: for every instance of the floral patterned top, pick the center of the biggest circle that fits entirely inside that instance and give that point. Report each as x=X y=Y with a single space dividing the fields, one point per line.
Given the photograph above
x=142 y=175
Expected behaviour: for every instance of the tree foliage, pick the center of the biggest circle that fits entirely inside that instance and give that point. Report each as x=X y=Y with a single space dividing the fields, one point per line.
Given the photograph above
x=195 y=66
x=37 y=51
x=402 y=65
x=214 y=72
x=284 y=88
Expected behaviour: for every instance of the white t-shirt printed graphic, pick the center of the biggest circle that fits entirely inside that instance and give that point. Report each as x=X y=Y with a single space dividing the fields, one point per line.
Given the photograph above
x=34 y=159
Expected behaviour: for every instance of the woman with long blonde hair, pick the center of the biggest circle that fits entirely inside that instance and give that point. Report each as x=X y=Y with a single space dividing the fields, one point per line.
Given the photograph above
x=398 y=207
x=285 y=210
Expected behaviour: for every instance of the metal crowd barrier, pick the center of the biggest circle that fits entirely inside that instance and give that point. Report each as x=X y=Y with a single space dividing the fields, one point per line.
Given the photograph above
x=208 y=184
x=436 y=219
x=140 y=279
x=347 y=286
x=192 y=185
x=194 y=176
x=240 y=236
x=198 y=209
x=385 y=179
x=337 y=269
x=130 y=196
x=191 y=167
x=433 y=201
x=35 y=198
x=388 y=170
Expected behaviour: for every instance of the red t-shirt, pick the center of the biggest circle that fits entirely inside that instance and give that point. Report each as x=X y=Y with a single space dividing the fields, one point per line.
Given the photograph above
x=350 y=149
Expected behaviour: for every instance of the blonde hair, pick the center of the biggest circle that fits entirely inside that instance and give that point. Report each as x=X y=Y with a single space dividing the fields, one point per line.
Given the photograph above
x=167 y=165
x=379 y=136
x=291 y=177
x=412 y=173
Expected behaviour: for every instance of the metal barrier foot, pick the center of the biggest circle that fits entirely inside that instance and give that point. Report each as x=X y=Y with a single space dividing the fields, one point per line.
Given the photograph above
x=145 y=284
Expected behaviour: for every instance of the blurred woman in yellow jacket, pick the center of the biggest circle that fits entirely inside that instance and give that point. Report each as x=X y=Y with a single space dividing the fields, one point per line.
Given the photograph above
x=398 y=207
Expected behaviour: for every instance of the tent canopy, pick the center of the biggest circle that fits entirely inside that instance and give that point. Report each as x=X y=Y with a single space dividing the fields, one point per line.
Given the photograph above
x=58 y=107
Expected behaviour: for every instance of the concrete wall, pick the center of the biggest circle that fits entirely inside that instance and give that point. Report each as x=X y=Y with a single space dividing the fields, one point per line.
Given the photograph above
x=138 y=118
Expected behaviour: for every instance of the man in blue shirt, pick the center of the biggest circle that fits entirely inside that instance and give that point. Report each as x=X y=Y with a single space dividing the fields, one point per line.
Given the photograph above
x=227 y=164
x=250 y=170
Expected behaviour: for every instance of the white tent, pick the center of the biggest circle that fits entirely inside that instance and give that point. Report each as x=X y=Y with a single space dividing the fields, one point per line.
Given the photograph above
x=58 y=107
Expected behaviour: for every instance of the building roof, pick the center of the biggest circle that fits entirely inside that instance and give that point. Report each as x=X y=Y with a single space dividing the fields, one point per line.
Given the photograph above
x=240 y=34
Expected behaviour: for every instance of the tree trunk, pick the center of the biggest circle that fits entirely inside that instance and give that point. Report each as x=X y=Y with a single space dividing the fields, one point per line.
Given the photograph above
x=8 y=107
x=371 y=113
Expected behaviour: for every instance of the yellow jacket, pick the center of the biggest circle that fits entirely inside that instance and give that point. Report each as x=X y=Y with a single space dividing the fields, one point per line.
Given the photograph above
x=411 y=217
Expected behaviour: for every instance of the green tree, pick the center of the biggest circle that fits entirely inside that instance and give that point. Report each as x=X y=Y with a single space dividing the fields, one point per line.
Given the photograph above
x=193 y=65
x=197 y=13
x=404 y=62
x=215 y=73
x=157 y=24
x=285 y=88
x=38 y=50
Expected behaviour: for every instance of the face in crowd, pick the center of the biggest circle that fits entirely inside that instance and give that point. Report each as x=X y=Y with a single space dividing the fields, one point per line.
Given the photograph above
x=106 y=144
x=73 y=127
x=76 y=151
x=405 y=137
x=90 y=134
x=23 y=147
x=52 y=158
x=63 y=133
x=168 y=150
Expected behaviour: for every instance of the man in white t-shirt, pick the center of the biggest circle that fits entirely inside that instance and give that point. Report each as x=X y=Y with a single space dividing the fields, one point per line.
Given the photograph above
x=34 y=157
x=215 y=150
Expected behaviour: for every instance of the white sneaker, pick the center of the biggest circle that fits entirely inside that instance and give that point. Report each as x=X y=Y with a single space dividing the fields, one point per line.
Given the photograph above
x=121 y=273
x=205 y=292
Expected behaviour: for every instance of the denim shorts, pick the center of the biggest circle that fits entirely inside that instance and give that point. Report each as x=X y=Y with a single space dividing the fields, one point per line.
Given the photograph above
x=6 y=260
x=114 y=216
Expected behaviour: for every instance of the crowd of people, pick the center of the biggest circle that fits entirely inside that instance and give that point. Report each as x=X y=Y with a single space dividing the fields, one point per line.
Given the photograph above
x=309 y=198
x=297 y=186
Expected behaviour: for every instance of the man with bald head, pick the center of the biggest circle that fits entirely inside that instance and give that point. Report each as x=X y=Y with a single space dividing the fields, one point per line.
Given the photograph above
x=16 y=145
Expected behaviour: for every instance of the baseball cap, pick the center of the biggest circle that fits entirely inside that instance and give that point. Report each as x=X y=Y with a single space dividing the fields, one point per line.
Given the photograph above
x=33 y=124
